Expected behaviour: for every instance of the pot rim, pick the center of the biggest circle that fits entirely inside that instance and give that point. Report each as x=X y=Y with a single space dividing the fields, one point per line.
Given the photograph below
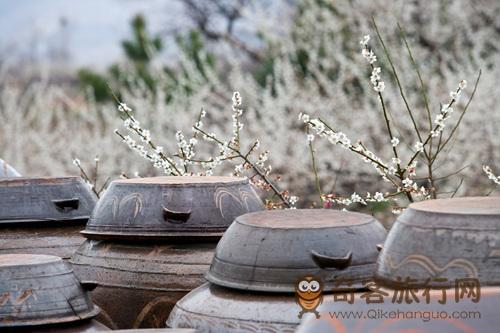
x=157 y=236
x=48 y=321
x=69 y=220
x=181 y=181
x=44 y=180
x=463 y=206
x=265 y=219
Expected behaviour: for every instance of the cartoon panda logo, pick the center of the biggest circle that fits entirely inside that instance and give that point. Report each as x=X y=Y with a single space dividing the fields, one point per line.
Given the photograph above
x=309 y=294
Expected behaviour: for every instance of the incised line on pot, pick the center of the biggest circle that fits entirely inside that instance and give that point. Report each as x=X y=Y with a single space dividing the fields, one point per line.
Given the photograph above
x=241 y=198
x=117 y=204
x=426 y=263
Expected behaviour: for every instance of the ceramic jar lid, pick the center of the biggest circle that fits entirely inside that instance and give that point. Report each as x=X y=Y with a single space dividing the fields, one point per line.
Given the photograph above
x=436 y=242
x=39 y=290
x=270 y=250
x=171 y=207
x=31 y=200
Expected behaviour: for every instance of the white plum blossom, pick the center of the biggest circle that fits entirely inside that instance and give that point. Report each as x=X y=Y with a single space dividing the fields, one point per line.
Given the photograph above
x=394 y=141
x=369 y=55
x=365 y=40
x=419 y=146
x=371 y=58
x=304 y=117
x=407 y=182
x=491 y=175
x=396 y=160
x=379 y=197
x=379 y=87
x=122 y=107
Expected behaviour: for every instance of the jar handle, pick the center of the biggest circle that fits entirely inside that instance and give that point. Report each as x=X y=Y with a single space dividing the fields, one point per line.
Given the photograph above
x=324 y=261
x=88 y=286
x=175 y=217
x=66 y=205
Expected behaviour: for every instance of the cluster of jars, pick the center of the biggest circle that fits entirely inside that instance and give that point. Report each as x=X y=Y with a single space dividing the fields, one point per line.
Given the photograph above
x=147 y=242
x=269 y=266
x=438 y=271
x=151 y=244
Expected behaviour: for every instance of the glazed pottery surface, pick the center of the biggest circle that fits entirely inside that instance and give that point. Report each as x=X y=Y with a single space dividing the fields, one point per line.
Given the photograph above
x=151 y=240
x=436 y=242
x=171 y=207
x=40 y=290
x=270 y=250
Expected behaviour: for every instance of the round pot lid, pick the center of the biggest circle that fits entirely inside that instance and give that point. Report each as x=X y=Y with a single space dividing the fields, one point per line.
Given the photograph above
x=467 y=213
x=171 y=207
x=272 y=250
x=45 y=200
x=438 y=242
x=39 y=290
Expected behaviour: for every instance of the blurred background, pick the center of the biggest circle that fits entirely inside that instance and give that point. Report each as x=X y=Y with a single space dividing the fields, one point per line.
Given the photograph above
x=168 y=59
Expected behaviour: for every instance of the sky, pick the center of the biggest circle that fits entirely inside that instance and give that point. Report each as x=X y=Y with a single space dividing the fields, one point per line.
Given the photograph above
x=94 y=28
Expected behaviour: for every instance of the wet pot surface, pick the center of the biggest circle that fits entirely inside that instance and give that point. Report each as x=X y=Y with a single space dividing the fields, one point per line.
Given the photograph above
x=436 y=242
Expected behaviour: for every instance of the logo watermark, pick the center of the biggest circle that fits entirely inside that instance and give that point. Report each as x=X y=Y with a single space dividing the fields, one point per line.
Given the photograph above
x=309 y=294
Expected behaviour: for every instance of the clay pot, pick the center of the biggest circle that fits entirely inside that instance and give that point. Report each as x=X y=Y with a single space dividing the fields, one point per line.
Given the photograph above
x=211 y=308
x=270 y=250
x=151 y=240
x=264 y=257
x=171 y=207
x=41 y=292
x=436 y=242
x=43 y=215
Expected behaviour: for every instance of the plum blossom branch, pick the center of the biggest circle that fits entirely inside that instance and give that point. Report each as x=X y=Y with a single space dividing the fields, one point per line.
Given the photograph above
x=402 y=176
x=92 y=181
x=489 y=172
x=181 y=162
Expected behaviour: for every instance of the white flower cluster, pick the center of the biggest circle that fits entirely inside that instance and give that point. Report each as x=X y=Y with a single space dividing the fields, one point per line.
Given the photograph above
x=122 y=107
x=491 y=175
x=419 y=147
x=339 y=138
x=410 y=186
x=237 y=124
x=186 y=148
x=446 y=110
x=155 y=156
x=330 y=199
x=367 y=53
x=394 y=141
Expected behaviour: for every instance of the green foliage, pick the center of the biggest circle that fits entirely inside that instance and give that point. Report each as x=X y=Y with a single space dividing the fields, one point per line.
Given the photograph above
x=142 y=47
x=193 y=47
x=140 y=50
x=96 y=82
